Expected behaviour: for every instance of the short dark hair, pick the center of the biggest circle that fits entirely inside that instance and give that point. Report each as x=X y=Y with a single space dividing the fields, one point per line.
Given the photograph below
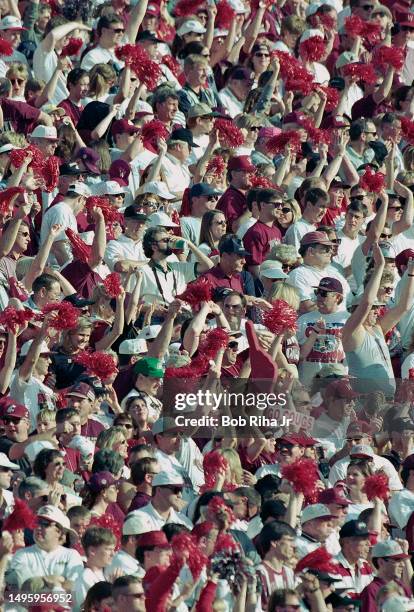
x=162 y=96
x=390 y=118
x=43 y=459
x=53 y=23
x=357 y=206
x=140 y=468
x=149 y=239
x=273 y=532
x=274 y=508
x=172 y=529
x=314 y=194
x=44 y=281
x=266 y=195
x=106 y=21
x=122 y=582
x=65 y=414
x=75 y=75
x=356 y=129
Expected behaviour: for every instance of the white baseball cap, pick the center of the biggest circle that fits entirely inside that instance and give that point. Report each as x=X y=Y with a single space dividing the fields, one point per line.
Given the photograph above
x=10 y=22
x=157 y=188
x=48 y=132
x=167 y=478
x=362 y=450
x=56 y=515
x=33 y=449
x=80 y=188
x=398 y=604
x=272 y=269
x=219 y=32
x=109 y=188
x=238 y=6
x=136 y=524
x=44 y=349
x=134 y=346
x=191 y=25
x=149 y=332
x=161 y=218
x=315 y=511
x=5 y=462
x=6 y=148
x=310 y=34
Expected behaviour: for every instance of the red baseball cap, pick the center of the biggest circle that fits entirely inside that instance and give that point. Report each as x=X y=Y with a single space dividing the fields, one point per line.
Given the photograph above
x=358 y=429
x=333 y=496
x=315 y=238
x=8 y=407
x=340 y=389
x=241 y=162
x=403 y=257
x=123 y=126
x=405 y=18
x=154 y=538
x=306 y=441
x=153 y=9
x=330 y=284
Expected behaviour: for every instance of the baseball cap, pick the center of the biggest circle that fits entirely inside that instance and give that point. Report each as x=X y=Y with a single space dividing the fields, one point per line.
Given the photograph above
x=44 y=349
x=315 y=511
x=333 y=496
x=10 y=22
x=388 y=548
x=241 y=162
x=119 y=171
x=70 y=169
x=163 y=479
x=134 y=212
x=110 y=188
x=358 y=429
x=48 y=132
x=6 y=148
x=90 y=159
x=134 y=346
x=154 y=538
x=52 y=108
x=220 y=32
x=310 y=34
x=330 y=284
x=100 y=481
x=123 y=126
x=162 y=425
x=82 y=390
x=241 y=73
x=78 y=301
x=340 y=389
x=136 y=524
x=354 y=529
x=6 y=463
x=347 y=57
x=315 y=238
x=149 y=332
x=399 y=603
x=272 y=269
x=361 y=451
x=183 y=135
x=203 y=189
x=191 y=25
x=80 y=189
x=161 y=218
x=8 y=407
x=200 y=110
x=333 y=122
x=149 y=366
x=232 y=244
x=341 y=601
x=56 y=515
x=403 y=257
x=401 y=17
x=157 y=188
x=147 y=36
x=33 y=449
x=153 y=9
x=402 y=424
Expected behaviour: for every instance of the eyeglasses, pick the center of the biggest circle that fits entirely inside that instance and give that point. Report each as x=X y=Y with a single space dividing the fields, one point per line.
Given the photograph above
x=18 y=81
x=278 y=205
x=372 y=133
x=254 y=128
x=117 y=30
x=212 y=198
x=126 y=425
x=285 y=210
x=205 y=54
x=324 y=248
x=336 y=240
x=388 y=289
x=45 y=523
x=367 y=7
x=150 y=203
x=394 y=207
x=24 y=234
x=261 y=54
x=232 y=345
x=220 y=222
x=175 y=490
x=9 y=419
x=385 y=236
x=322 y=292
x=359 y=197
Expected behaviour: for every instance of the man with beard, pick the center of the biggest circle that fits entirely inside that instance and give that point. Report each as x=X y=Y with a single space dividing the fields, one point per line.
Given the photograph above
x=233 y=203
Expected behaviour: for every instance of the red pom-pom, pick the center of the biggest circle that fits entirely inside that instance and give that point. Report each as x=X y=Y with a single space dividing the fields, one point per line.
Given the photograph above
x=213 y=464
x=152 y=131
x=110 y=213
x=216 y=340
x=303 y=475
x=377 y=485
x=65 y=315
x=225 y=15
x=332 y=97
x=172 y=64
x=18 y=156
x=260 y=181
x=316 y=135
x=137 y=58
x=21 y=518
x=368 y=30
x=327 y=21
x=185 y=542
x=72 y=47
x=277 y=144
x=187 y=7
x=371 y=32
x=81 y=251
x=389 y=56
x=50 y=172
x=216 y=166
x=362 y=72
x=230 y=136
x=280 y=318
x=318 y=559
x=12 y=319
x=312 y=49
x=107 y=521
x=372 y=181
x=219 y=509
x=354 y=26
x=97 y=364
x=225 y=542
x=293 y=73
x=198 y=291
x=5 y=47
x=194 y=370
x=7 y=197
x=407 y=126
x=113 y=285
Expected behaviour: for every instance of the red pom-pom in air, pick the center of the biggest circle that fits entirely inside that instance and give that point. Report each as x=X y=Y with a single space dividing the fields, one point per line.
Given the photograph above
x=230 y=136
x=318 y=559
x=97 y=364
x=107 y=521
x=18 y=156
x=213 y=464
x=377 y=485
x=198 y=291
x=312 y=49
x=186 y=542
x=5 y=47
x=72 y=47
x=277 y=144
x=12 y=319
x=81 y=251
x=110 y=213
x=389 y=56
x=216 y=166
x=315 y=135
x=362 y=72
x=137 y=58
x=372 y=32
x=372 y=181
x=332 y=99
x=225 y=15
x=113 y=285
x=152 y=131
x=368 y=30
x=22 y=517
x=280 y=318
x=187 y=7
x=260 y=181
x=65 y=315
x=294 y=74
x=225 y=542
x=216 y=340
x=407 y=126
x=303 y=475
x=7 y=197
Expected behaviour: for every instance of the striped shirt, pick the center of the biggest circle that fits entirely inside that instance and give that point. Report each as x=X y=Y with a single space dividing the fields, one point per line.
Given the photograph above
x=354 y=578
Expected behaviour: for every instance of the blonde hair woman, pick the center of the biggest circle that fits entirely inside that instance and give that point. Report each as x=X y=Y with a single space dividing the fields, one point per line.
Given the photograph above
x=101 y=78
x=115 y=439
x=18 y=76
x=287 y=255
x=234 y=472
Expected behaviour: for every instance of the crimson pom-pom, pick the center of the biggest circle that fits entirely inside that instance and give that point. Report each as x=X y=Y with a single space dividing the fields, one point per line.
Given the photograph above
x=363 y=72
x=229 y=134
x=277 y=144
x=138 y=59
x=377 y=485
x=225 y=542
x=372 y=181
x=261 y=182
x=332 y=97
x=110 y=213
x=6 y=200
x=18 y=156
x=316 y=135
x=152 y=131
x=280 y=318
x=65 y=315
x=107 y=521
x=12 y=319
x=303 y=475
x=225 y=15
x=113 y=285
x=389 y=56
x=318 y=559
x=172 y=64
x=185 y=542
x=97 y=364
x=372 y=32
x=327 y=21
x=22 y=517
x=216 y=339
x=302 y=82
x=369 y=30
x=407 y=127
x=5 y=47
x=218 y=508
x=72 y=47
x=198 y=291
x=194 y=370
x=187 y=7
x=294 y=73
x=81 y=251
x=50 y=173
x=214 y=462
x=312 y=49
x=354 y=26
x=216 y=166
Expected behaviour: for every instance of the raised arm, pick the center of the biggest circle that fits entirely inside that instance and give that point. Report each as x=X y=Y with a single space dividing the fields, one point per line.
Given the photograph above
x=107 y=341
x=385 y=88
x=377 y=225
x=204 y=262
x=160 y=345
x=49 y=42
x=393 y=315
x=99 y=239
x=9 y=362
x=407 y=217
x=135 y=19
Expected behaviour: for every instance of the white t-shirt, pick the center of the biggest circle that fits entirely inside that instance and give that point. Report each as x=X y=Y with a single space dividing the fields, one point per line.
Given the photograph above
x=129 y=565
x=85 y=581
x=175 y=174
x=44 y=65
x=172 y=283
x=28 y=392
x=99 y=55
x=33 y=561
x=406 y=366
x=347 y=249
x=157 y=521
x=190 y=228
x=296 y=232
x=229 y=101
x=401 y=507
x=338 y=471
x=124 y=248
x=306 y=278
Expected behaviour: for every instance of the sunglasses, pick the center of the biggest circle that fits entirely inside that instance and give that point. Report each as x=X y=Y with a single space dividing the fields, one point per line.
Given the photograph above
x=367 y=7
x=285 y=210
x=359 y=197
x=126 y=425
x=394 y=207
x=278 y=205
x=325 y=248
x=372 y=133
x=117 y=30
x=388 y=289
x=212 y=198
x=336 y=240
x=233 y=345
x=45 y=523
x=322 y=292
x=385 y=236
x=220 y=222
x=261 y=54
x=15 y=420
x=18 y=81
x=254 y=128
x=175 y=490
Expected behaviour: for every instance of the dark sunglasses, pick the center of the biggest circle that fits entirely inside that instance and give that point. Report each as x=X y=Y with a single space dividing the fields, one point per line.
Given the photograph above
x=18 y=81
x=385 y=236
x=367 y=7
x=336 y=240
x=9 y=419
x=259 y=54
x=388 y=289
x=220 y=222
x=394 y=207
x=117 y=30
x=212 y=198
x=175 y=490
x=322 y=292
x=126 y=425
x=232 y=345
x=254 y=128
x=285 y=210
x=358 y=197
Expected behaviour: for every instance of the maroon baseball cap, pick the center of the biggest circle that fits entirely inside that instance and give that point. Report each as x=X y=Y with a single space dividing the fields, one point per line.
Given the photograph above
x=241 y=162
x=333 y=496
x=153 y=9
x=119 y=169
x=8 y=407
x=294 y=117
x=288 y=439
x=340 y=389
x=154 y=538
x=81 y=390
x=100 y=481
x=405 y=18
x=315 y=238
x=328 y=283
x=408 y=463
x=123 y=126
x=90 y=159
x=403 y=257
x=358 y=429
x=333 y=123
x=306 y=441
